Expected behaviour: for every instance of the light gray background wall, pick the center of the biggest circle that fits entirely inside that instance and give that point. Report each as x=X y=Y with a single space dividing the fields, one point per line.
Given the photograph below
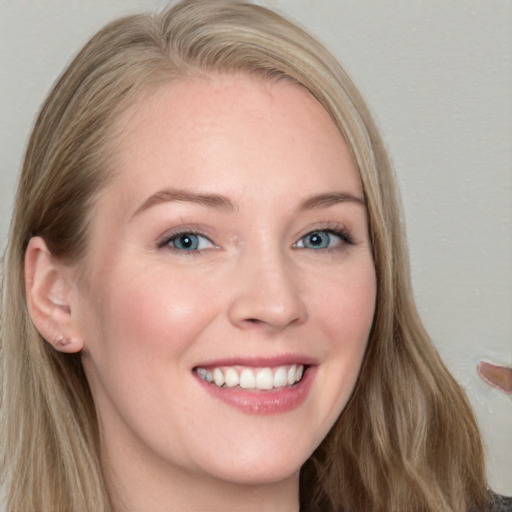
x=438 y=77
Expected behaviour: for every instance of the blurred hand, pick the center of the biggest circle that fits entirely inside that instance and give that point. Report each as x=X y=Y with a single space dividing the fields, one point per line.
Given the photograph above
x=497 y=376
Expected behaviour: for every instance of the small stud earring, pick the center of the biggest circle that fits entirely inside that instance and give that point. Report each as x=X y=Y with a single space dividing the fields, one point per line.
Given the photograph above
x=60 y=341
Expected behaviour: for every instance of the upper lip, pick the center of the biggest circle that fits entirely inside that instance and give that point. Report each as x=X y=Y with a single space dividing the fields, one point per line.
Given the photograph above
x=260 y=361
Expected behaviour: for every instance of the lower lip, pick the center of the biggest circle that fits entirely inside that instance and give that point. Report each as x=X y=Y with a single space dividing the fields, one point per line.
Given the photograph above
x=264 y=402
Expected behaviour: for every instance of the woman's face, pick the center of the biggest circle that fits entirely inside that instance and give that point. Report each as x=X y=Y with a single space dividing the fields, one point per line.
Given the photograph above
x=232 y=245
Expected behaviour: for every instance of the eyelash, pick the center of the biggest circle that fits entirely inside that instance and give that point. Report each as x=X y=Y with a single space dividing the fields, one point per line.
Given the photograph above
x=166 y=240
x=340 y=232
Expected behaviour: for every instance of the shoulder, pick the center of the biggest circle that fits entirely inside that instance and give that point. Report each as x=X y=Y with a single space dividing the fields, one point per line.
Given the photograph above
x=502 y=503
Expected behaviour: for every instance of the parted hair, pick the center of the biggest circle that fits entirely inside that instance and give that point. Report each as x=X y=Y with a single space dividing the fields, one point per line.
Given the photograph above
x=407 y=439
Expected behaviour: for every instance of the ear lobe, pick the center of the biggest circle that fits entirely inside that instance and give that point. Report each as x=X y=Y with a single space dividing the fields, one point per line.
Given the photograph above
x=50 y=292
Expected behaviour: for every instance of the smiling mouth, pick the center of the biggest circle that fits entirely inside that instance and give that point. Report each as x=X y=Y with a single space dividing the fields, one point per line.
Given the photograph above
x=248 y=378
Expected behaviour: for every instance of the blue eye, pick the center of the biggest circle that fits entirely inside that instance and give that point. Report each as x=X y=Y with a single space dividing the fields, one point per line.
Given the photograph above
x=323 y=239
x=189 y=242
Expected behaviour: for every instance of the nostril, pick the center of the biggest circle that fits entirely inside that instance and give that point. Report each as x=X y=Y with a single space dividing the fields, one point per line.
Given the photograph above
x=254 y=308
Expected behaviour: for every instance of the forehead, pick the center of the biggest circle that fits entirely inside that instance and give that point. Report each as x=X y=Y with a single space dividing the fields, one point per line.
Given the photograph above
x=222 y=129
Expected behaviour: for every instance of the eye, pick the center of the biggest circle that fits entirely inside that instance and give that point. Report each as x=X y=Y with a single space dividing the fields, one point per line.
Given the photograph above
x=188 y=242
x=323 y=239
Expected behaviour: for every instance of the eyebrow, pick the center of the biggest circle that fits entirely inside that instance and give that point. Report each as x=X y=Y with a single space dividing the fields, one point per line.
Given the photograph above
x=221 y=202
x=325 y=200
x=185 y=196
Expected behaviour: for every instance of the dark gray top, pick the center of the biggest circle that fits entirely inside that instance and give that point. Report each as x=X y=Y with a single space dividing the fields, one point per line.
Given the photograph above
x=503 y=504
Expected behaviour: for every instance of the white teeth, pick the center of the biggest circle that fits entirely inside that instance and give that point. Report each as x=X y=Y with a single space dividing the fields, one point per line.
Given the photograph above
x=280 y=377
x=231 y=378
x=265 y=379
x=291 y=374
x=218 y=377
x=251 y=378
x=247 y=379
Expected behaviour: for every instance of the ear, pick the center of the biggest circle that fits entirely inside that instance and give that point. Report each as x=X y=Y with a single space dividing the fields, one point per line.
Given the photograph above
x=50 y=295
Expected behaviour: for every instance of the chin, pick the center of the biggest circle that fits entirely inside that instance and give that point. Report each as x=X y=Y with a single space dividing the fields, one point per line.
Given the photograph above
x=260 y=463
x=260 y=473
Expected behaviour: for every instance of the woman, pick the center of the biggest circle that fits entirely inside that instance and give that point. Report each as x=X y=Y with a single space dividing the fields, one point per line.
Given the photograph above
x=197 y=184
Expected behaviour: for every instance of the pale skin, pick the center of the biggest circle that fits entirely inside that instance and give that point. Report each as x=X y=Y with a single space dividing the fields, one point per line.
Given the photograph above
x=257 y=172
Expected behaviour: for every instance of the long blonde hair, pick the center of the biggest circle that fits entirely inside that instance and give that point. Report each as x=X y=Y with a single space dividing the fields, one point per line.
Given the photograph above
x=407 y=440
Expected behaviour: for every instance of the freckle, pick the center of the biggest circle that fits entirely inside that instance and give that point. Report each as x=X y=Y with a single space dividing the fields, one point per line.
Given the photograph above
x=497 y=376
x=236 y=241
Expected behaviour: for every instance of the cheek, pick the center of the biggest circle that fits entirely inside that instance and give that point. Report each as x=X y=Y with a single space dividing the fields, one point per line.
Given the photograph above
x=153 y=316
x=140 y=337
x=345 y=319
x=347 y=309
x=341 y=311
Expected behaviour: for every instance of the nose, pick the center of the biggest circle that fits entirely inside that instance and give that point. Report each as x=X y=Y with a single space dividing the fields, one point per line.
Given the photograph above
x=266 y=294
